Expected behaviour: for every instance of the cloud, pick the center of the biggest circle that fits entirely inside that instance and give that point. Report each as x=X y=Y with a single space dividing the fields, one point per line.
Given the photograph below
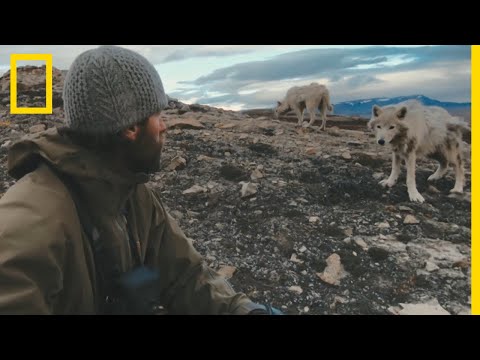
x=186 y=53
x=437 y=71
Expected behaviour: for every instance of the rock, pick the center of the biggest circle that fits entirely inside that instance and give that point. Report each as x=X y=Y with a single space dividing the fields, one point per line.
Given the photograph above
x=37 y=128
x=227 y=271
x=284 y=242
x=205 y=158
x=189 y=123
x=177 y=163
x=383 y=225
x=176 y=214
x=410 y=219
x=226 y=126
x=296 y=289
x=430 y=266
x=294 y=259
x=256 y=174
x=431 y=307
x=6 y=144
x=378 y=254
x=360 y=242
x=248 y=189
x=346 y=155
x=195 y=189
x=334 y=272
x=462 y=264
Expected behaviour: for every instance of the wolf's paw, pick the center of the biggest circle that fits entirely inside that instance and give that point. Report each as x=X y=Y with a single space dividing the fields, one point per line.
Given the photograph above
x=456 y=190
x=416 y=197
x=387 y=182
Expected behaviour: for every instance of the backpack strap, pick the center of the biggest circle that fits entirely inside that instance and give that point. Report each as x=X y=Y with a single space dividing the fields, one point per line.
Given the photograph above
x=89 y=228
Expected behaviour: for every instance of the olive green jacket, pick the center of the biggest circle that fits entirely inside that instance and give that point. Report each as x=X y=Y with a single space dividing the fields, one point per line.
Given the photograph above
x=46 y=260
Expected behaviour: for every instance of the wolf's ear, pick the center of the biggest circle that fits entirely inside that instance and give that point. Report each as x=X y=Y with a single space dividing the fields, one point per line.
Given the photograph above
x=279 y=103
x=376 y=111
x=370 y=124
x=401 y=113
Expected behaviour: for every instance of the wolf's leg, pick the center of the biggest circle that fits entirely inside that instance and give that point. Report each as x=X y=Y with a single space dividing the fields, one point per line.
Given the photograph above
x=459 y=174
x=299 y=116
x=312 y=117
x=396 y=164
x=413 y=193
x=324 y=121
x=323 y=110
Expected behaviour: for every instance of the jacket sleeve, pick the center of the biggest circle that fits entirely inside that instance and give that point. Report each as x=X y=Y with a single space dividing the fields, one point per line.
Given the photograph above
x=31 y=254
x=189 y=285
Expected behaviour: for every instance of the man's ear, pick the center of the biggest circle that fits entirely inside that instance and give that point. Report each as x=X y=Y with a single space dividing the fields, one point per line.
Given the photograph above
x=131 y=133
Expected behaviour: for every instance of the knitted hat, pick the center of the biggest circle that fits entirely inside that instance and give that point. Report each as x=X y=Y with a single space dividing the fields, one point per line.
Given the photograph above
x=111 y=88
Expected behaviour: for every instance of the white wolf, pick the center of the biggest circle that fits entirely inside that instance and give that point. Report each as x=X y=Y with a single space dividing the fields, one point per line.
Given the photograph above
x=310 y=97
x=414 y=130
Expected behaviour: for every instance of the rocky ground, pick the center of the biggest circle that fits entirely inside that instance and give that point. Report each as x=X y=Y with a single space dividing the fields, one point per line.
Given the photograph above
x=295 y=217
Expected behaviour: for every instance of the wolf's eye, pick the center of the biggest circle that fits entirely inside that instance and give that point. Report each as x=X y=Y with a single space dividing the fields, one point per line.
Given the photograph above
x=379 y=127
x=392 y=127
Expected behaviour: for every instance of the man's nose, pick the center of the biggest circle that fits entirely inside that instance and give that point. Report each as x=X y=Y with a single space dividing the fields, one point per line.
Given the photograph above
x=162 y=126
x=381 y=142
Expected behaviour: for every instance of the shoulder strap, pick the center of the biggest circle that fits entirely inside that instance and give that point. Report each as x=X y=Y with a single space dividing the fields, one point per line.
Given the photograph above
x=89 y=228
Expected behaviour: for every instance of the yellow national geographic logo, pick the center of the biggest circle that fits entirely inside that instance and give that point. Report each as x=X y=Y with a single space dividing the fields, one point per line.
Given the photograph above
x=13 y=84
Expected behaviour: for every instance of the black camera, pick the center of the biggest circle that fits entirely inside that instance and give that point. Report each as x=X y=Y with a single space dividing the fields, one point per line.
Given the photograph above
x=136 y=292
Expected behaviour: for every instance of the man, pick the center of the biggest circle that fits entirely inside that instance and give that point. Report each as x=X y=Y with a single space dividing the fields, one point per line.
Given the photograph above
x=80 y=232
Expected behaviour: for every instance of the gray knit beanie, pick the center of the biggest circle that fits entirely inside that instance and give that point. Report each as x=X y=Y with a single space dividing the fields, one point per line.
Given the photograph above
x=111 y=88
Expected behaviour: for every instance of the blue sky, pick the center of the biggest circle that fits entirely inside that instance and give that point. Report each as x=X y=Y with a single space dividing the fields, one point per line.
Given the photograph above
x=255 y=76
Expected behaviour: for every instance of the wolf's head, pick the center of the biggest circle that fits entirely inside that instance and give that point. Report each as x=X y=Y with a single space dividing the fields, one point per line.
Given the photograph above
x=387 y=123
x=280 y=109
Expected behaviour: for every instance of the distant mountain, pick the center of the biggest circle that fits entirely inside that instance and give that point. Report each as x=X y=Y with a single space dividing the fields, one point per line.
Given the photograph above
x=364 y=107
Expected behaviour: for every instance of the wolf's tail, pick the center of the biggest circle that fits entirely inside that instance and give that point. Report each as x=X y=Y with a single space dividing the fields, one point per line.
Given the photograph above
x=327 y=100
x=461 y=128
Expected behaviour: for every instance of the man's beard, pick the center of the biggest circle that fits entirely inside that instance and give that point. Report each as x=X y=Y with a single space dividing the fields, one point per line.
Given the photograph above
x=143 y=154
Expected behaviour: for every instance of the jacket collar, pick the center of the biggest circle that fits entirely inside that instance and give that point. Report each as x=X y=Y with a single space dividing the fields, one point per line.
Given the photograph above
x=105 y=190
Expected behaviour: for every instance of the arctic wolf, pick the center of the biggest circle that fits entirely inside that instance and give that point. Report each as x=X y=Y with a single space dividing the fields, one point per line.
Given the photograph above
x=414 y=130
x=310 y=97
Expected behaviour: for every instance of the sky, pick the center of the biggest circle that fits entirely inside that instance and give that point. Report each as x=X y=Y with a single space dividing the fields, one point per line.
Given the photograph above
x=239 y=77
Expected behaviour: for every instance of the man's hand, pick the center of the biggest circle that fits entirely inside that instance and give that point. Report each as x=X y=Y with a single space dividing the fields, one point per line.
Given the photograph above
x=265 y=310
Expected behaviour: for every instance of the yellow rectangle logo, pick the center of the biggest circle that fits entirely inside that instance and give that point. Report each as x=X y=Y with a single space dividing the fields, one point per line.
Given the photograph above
x=13 y=83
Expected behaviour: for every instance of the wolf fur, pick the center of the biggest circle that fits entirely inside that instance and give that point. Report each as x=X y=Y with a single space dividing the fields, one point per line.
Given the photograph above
x=310 y=97
x=413 y=131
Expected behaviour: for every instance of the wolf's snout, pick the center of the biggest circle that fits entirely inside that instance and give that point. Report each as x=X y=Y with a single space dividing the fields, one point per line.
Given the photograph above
x=381 y=142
